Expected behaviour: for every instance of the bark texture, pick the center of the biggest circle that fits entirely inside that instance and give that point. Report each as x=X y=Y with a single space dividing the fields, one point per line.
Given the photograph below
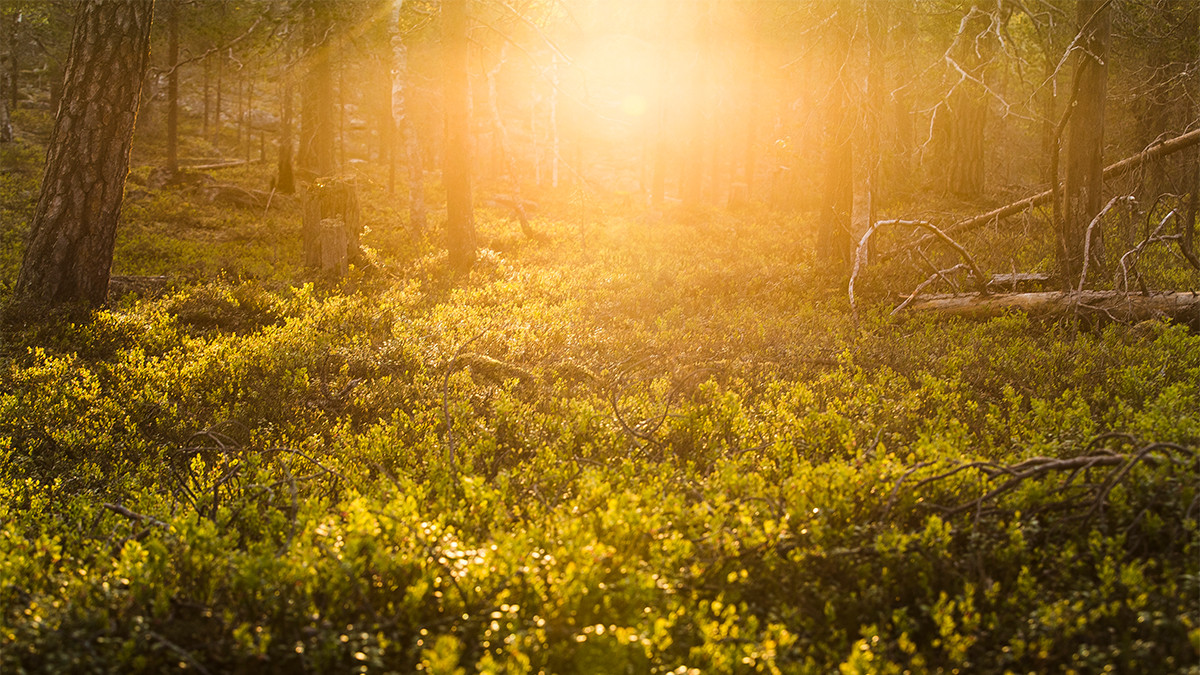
x=460 y=217
x=317 y=117
x=1096 y=305
x=1084 y=182
x=75 y=222
x=404 y=132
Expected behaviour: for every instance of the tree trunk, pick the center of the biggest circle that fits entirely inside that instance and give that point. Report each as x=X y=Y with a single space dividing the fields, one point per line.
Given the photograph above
x=962 y=119
x=6 y=130
x=217 y=103
x=74 y=225
x=204 y=121
x=14 y=64
x=173 y=87
x=316 y=96
x=402 y=131
x=460 y=218
x=1084 y=183
x=692 y=189
x=286 y=182
x=877 y=27
x=1100 y=306
x=834 y=234
x=332 y=225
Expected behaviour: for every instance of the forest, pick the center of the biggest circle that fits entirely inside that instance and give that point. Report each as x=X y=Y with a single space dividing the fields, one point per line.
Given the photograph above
x=599 y=336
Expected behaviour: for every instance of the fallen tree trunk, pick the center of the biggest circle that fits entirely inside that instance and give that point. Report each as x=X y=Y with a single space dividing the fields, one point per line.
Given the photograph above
x=1110 y=172
x=1181 y=307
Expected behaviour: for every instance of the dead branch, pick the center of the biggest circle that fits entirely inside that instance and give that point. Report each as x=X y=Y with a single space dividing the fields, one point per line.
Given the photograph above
x=1112 y=171
x=1085 y=497
x=939 y=274
x=1087 y=239
x=133 y=515
x=860 y=256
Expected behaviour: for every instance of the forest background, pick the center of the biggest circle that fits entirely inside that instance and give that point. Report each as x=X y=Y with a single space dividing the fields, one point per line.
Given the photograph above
x=586 y=336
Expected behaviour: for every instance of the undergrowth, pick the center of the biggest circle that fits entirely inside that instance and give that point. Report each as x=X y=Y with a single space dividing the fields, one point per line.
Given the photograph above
x=644 y=446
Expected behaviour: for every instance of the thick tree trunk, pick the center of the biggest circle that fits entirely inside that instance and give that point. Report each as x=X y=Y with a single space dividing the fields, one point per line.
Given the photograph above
x=961 y=121
x=75 y=222
x=460 y=217
x=173 y=87
x=1084 y=183
x=1094 y=305
x=332 y=225
x=316 y=96
x=834 y=234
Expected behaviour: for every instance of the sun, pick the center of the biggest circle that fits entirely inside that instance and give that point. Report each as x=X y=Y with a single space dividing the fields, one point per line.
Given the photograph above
x=633 y=105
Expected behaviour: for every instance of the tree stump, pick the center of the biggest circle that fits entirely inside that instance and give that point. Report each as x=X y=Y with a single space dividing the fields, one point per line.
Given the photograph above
x=332 y=223
x=333 y=244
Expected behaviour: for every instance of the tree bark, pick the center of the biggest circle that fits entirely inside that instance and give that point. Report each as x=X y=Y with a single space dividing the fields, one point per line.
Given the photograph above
x=1095 y=305
x=173 y=86
x=286 y=182
x=6 y=130
x=316 y=96
x=460 y=218
x=74 y=225
x=1084 y=182
x=962 y=120
x=834 y=235
x=692 y=188
x=403 y=131
x=14 y=64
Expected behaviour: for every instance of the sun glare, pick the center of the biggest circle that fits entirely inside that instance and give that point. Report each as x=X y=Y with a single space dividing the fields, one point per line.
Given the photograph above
x=633 y=105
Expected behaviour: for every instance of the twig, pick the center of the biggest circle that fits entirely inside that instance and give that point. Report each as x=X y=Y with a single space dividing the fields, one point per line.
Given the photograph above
x=860 y=255
x=1087 y=240
x=133 y=515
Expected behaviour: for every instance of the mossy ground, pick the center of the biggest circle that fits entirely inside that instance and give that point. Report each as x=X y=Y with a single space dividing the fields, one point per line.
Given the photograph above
x=655 y=442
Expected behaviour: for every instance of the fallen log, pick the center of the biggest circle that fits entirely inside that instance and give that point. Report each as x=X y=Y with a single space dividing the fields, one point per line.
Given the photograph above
x=1181 y=307
x=1110 y=172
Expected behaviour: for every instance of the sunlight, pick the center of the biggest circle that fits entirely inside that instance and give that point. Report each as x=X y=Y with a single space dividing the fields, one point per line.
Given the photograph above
x=633 y=105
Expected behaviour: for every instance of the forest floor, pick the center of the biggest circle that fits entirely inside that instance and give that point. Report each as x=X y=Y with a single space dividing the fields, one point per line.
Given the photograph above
x=651 y=443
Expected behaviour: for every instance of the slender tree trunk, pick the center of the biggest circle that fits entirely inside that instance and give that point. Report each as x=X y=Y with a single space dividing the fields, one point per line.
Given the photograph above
x=204 y=121
x=6 y=130
x=402 y=130
x=460 y=218
x=1084 y=183
x=692 y=191
x=877 y=27
x=247 y=118
x=14 y=63
x=286 y=182
x=751 y=149
x=173 y=86
x=217 y=103
x=554 y=140
x=74 y=225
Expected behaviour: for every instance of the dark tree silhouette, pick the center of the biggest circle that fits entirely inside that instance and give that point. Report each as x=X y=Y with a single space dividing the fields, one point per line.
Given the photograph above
x=1084 y=181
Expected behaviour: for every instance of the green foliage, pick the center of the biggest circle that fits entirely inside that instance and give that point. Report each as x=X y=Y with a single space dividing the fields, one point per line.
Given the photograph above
x=664 y=451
